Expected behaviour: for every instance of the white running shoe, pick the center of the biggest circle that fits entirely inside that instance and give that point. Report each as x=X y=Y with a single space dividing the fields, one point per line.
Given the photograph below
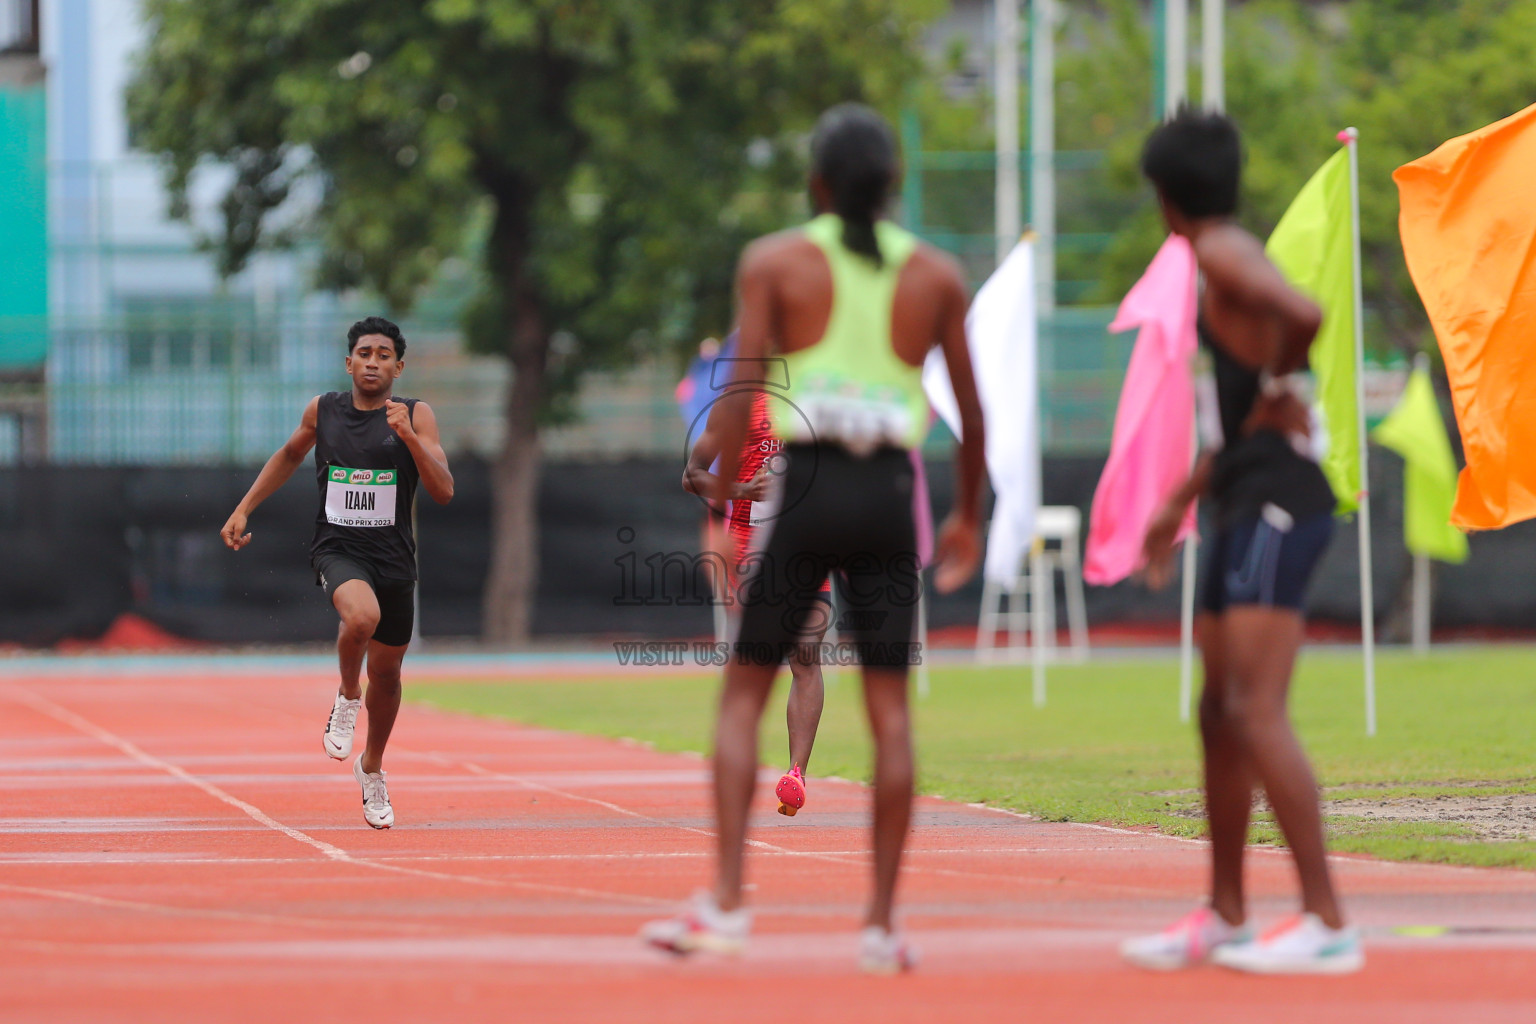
x=1298 y=945
x=1188 y=942
x=703 y=926
x=885 y=952
x=341 y=726
x=376 y=808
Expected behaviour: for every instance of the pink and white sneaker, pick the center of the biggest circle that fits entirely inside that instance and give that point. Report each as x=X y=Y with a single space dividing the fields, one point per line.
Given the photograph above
x=791 y=792
x=1297 y=945
x=885 y=952
x=1188 y=942
x=702 y=927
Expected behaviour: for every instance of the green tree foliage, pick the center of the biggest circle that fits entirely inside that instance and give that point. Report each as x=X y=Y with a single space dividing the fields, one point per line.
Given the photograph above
x=1274 y=82
x=1413 y=74
x=607 y=158
x=1408 y=73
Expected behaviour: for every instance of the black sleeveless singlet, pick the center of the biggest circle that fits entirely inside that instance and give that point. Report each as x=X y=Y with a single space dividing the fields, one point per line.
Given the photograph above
x=367 y=480
x=1263 y=468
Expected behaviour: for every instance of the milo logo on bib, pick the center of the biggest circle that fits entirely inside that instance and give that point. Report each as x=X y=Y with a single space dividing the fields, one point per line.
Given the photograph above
x=360 y=497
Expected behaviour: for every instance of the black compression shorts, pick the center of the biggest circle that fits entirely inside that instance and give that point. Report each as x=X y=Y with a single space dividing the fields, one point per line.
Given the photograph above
x=1267 y=560
x=841 y=514
x=397 y=598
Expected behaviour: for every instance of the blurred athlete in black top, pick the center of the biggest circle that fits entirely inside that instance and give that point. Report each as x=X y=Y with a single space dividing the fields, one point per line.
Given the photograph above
x=371 y=452
x=1273 y=513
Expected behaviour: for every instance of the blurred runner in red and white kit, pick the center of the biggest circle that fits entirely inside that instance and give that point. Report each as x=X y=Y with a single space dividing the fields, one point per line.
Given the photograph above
x=755 y=499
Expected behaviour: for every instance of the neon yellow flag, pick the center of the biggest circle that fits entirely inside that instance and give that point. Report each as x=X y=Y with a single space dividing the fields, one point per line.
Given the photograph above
x=1313 y=247
x=1416 y=431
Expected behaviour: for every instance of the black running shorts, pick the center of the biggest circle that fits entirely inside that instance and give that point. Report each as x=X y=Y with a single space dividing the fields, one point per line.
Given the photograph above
x=846 y=515
x=397 y=598
x=1265 y=561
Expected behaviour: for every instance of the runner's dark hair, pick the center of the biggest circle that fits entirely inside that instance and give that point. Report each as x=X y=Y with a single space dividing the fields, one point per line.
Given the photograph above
x=1195 y=159
x=376 y=325
x=854 y=152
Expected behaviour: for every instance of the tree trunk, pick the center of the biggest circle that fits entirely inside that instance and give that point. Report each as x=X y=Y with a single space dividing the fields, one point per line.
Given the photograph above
x=512 y=581
x=507 y=608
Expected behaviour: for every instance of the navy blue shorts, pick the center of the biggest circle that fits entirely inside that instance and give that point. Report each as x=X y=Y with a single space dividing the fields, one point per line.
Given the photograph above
x=1265 y=561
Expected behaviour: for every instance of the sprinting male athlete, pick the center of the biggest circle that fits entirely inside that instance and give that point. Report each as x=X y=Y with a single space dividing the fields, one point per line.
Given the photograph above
x=851 y=304
x=1273 y=512
x=755 y=501
x=371 y=452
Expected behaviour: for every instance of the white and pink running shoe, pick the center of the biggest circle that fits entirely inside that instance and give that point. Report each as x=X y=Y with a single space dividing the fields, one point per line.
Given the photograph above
x=702 y=927
x=1297 y=945
x=885 y=952
x=1188 y=942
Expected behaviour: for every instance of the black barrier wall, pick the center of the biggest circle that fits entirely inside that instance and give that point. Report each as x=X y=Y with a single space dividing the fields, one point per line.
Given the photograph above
x=81 y=546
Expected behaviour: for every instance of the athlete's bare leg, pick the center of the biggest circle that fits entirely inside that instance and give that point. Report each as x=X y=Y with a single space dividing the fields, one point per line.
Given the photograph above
x=885 y=701
x=741 y=709
x=358 y=607
x=383 y=700
x=807 y=696
x=1260 y=646
x=1229 y=777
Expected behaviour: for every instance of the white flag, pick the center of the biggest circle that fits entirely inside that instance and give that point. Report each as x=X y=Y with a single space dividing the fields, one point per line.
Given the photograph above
x=1001 y=331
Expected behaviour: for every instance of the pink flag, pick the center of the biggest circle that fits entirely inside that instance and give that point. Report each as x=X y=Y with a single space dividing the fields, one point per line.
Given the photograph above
x=1154 y=427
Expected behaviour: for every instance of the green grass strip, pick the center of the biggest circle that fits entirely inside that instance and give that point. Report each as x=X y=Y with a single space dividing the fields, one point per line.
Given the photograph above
x=1109 y=746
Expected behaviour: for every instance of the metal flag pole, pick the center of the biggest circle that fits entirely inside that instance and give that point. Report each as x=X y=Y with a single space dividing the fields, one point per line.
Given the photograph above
x=1423 y=597
x=1175 y=79
x=1042 y=148
x=1351 y=138
x=1008 y=216
x=1176 y=47
x=1213 y=75
x=1039 y=579
x=1422 y=600
x=1042 y=216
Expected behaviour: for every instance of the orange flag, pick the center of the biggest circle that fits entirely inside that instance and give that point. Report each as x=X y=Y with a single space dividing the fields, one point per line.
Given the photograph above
x=1469 y=234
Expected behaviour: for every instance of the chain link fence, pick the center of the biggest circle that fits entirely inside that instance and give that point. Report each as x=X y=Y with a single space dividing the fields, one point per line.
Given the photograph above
x=152 y=360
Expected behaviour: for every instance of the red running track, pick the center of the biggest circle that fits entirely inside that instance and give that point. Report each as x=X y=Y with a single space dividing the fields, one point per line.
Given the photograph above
x=179 y=849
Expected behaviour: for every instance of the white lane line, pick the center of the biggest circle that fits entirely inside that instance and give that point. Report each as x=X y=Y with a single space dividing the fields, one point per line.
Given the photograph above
x=816 y=952
x=167 y=910
x=1340 y=859
x=594 y=801
x=831 y=858
x=160 y=860
x=74 y=721
x=858 y=859
x=1343 y=860
x=335 y=853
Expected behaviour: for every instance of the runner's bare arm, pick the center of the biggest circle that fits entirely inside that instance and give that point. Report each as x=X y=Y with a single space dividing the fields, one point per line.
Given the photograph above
x=418 y=431
x=1158 y=545
x=697 y=479
x=1234 y=264
x=272 y=476
x=957 y=549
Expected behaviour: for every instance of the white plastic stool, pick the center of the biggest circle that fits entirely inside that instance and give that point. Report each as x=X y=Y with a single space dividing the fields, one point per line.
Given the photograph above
x=1031 y=595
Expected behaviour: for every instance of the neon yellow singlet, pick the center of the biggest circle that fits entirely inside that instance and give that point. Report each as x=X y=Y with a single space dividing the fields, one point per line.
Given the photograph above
x=851 y=388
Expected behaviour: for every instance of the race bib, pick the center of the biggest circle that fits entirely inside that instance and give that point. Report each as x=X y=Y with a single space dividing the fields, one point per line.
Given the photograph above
x=360 y=497
x=767 y=509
